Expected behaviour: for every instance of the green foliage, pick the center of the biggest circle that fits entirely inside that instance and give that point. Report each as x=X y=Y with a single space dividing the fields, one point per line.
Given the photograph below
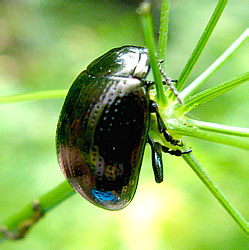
x=43 y=45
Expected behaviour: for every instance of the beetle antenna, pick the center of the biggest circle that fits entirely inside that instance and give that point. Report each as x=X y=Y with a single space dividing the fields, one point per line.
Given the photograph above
x=169 y=82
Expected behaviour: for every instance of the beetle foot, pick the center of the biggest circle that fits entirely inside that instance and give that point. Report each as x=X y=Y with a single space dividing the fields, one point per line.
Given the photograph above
x=172 y=141
x=176 y=152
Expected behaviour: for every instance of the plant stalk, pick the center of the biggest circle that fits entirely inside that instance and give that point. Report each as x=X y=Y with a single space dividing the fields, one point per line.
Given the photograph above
x=216 y=191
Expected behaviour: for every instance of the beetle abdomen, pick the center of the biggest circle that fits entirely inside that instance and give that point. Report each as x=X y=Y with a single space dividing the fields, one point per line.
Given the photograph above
x=101 y=138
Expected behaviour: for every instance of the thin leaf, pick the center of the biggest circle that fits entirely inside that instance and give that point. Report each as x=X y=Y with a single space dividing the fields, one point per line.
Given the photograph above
x=201 y=44
x=211 y=93
x=218 y=128
x=199 y=81
x=194 y=131
x=147 y=25
x=163 y=32
x=34 y=96
x=216 y=191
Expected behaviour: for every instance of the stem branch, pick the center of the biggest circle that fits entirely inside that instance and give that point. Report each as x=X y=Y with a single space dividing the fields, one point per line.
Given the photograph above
x=17 y=225
x=34 y=96
x=201 y=44
x=215 y=190
x=199 y=81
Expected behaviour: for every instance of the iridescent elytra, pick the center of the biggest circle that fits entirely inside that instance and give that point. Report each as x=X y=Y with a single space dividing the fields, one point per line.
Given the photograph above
x=103 y=128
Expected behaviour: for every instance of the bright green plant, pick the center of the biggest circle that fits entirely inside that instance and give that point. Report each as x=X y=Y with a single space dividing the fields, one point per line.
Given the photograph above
x=174 y=114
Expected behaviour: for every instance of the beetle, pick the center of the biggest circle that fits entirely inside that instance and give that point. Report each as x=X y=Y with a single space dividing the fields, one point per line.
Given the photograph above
x=103 y=128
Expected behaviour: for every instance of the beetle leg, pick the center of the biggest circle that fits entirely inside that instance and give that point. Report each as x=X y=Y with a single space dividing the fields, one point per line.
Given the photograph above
x=170 y=139
x=176 y=152
x=157 y=164
x=148 y=84
x=160 y=123
x=161 y=126
x=174 y=80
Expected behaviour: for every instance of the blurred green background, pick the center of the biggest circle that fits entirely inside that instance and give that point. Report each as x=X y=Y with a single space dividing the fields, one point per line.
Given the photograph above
x=43 y=46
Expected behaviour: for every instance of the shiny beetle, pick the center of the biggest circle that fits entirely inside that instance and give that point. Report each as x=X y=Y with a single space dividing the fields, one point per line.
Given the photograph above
x=103 y=128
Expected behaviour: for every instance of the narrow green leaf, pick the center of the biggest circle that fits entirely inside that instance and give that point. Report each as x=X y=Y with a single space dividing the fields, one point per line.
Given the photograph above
x=201 y=44
x=34 y=96
x=146 y=18
x=218 y=128
x=194 y=131
x=199 y=81
x=211 y=93
x=216 y=191
x=163 y=32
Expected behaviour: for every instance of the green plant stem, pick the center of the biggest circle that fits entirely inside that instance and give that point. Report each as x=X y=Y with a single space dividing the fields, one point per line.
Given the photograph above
x=215 y=190
x=194 y=131
x=201 y=44
x=146 y=19
x=56 y=196
x=46 y=203
x=218 y=128
x=163 y=32
x=211 y=93
x=199 y=81
x=34 y=96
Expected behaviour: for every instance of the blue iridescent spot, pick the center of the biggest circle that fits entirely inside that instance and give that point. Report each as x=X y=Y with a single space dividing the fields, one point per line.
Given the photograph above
x=104 y=196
